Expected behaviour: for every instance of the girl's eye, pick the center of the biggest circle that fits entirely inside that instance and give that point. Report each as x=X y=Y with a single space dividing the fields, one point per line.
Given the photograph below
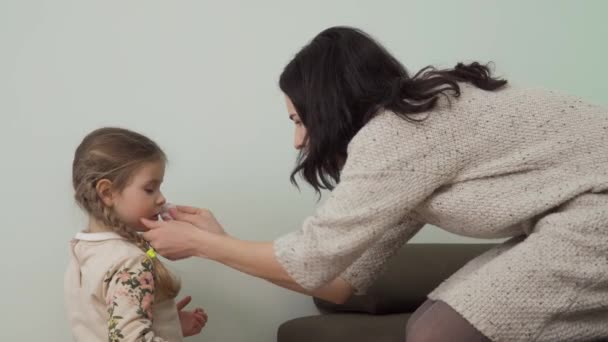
x=149 y=191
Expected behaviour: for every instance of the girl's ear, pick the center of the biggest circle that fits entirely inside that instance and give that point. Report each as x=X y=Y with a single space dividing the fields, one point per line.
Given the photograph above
x=104 y=191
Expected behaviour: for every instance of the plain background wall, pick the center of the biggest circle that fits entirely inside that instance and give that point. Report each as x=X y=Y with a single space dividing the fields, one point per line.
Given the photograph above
x=200 y=78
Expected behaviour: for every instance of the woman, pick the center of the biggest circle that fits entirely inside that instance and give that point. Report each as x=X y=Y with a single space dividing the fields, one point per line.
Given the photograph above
x=455 y=148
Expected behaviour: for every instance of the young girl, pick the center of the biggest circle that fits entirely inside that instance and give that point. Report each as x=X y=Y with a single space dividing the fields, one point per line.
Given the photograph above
x=116 y=289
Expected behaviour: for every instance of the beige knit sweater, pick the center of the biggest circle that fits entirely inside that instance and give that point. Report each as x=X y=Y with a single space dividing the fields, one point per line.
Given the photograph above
x=109 y=293
x=486 y=166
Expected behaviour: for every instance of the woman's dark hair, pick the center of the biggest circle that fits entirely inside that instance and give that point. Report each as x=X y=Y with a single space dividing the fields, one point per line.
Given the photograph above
x=342 y=78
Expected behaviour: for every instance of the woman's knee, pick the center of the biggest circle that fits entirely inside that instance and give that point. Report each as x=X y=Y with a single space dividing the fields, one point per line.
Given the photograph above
x=420 y=328
x=439 y=323
x=421 y=310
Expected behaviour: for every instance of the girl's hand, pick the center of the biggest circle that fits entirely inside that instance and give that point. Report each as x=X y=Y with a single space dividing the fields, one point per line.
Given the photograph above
x=192 y=322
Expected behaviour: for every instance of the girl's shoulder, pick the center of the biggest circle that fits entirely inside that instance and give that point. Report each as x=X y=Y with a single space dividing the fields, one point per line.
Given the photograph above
x=105 y=251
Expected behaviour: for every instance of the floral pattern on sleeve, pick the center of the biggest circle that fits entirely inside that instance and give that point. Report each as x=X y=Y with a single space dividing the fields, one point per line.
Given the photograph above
x=129 y=299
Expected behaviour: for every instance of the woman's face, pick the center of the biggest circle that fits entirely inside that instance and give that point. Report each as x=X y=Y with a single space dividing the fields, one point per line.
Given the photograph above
x=300 y=136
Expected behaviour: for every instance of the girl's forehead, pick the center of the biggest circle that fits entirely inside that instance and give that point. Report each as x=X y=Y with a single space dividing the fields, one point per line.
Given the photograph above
x=150 y=171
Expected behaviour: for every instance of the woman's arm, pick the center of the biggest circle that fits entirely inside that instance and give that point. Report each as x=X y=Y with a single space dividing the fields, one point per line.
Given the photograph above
x=206 y=239
x=338 y=291
x=258 y=259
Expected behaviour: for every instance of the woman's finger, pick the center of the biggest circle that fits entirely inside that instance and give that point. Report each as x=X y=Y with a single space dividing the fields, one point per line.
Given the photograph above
x=183 y=216
x=188 y=210
x=151 y=224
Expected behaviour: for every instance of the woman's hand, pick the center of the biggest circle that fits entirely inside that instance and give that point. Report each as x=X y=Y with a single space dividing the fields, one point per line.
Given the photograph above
x=188 y=234
x=201 y=218
x=192 y=322
x=174 y=239
x=195 y=232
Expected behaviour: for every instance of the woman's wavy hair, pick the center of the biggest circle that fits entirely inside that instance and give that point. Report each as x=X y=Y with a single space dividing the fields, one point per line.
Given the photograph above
x=342 y=78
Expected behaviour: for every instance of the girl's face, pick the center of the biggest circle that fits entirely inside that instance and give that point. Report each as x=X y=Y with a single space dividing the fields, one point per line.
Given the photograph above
x=300 y=135
x=142 y=196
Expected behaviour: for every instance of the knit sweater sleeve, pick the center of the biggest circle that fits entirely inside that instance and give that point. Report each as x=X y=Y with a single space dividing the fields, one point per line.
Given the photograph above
x=362 y=273
x=392 y=166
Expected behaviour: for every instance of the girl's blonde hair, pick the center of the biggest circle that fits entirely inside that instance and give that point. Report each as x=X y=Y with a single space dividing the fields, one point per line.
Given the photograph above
x=116 y=154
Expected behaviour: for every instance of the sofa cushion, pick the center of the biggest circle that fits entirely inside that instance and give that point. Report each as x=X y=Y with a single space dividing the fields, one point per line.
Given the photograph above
x=409 y=276
x=344 y=327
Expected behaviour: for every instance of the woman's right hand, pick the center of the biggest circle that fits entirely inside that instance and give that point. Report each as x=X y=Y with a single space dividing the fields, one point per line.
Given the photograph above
x=201 y=218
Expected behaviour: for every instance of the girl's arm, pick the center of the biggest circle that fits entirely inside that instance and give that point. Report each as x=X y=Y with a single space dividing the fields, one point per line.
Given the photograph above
x=129 y=298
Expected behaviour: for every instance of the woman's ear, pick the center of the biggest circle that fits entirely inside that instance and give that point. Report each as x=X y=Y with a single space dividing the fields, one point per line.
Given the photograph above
x=104 y=191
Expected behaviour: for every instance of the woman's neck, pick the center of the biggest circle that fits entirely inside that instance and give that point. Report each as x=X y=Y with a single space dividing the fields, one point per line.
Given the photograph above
x=97 y=227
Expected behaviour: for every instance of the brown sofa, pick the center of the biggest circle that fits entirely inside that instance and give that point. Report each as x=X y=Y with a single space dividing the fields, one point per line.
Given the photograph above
x=381 y=314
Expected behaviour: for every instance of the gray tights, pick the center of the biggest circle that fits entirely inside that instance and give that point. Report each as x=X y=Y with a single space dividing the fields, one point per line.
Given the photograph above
x=435 y=321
